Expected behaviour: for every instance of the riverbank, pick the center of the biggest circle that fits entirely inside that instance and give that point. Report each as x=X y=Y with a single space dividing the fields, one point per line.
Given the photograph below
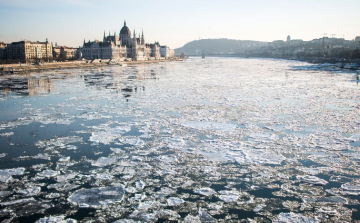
x=26 y=68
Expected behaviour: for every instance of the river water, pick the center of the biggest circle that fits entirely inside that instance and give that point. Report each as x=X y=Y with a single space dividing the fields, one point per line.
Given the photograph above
x=201 y=140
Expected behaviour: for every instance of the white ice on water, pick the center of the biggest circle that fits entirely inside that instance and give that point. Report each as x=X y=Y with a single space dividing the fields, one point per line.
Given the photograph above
x=97 y=197
x=149 y=149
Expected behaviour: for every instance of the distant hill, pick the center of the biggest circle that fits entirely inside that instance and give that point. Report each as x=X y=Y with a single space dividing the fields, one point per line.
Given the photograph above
x=218 y=47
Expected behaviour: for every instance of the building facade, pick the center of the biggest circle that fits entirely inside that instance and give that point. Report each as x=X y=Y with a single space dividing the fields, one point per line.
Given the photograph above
x=27 y=51
x=121 y=47
x=3 y=53
x=65 y=53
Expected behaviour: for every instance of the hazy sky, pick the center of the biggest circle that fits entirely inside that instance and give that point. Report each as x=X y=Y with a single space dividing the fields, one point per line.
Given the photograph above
x=174 y=23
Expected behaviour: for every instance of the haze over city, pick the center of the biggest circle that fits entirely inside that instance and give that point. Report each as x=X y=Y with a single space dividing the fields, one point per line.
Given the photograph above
x=174 y=23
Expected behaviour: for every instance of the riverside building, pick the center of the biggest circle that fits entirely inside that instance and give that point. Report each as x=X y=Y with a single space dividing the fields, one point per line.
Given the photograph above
x=121 y=47
x=27 y=51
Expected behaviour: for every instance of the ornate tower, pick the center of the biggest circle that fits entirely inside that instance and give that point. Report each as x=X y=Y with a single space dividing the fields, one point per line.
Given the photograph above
x=125 y=35
x=142 y=38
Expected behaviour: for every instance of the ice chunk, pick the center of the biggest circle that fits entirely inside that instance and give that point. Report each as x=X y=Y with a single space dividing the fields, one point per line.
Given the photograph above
x=62 y=186
x=96 y=197
x=7 y=134
x=132 y=140
x=104 y=161
x=42 y=156
x=205 y=217
x=312 y=171
x=258 y=156
x=5 y=193
x=312 y=180
x=47 y=174
x=108 y=136
x=293 y=217
x=192 y=219
x=20 y=201
x=206 y=191
x=174 y=201
x=30 y=191
x=210 y=126
x=56 y=219
x=143 y=216
x=64 y=159
x=140 y=184
x=259 y=207
x=5 y=175
x=125 y=221
x=168 y=214
x=229 y=196
x=326 y=200
x=350 y=187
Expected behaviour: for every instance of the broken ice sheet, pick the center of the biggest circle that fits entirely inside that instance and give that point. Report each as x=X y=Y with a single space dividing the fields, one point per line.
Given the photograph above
x=104 y=161
x=30 y=191
x=5 y=175
x=206 y=191
x=108 y=135
x=97 y=197
x=293 y=217
x=56 y=219
x=211 y=126
x=205 y=217
x=229 y=196
x=174 y=201
x=312 y=180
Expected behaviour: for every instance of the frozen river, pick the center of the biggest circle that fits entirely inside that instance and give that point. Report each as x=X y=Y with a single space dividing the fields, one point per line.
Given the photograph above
x=202 y=140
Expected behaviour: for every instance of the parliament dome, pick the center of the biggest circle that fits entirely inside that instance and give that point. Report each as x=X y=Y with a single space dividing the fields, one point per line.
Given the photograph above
x=125 y=30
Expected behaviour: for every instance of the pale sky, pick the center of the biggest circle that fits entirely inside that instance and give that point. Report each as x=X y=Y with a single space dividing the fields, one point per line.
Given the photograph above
x=174 y=23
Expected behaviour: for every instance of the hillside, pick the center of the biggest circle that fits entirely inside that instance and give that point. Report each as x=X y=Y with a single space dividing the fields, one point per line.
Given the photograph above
x=218 y=46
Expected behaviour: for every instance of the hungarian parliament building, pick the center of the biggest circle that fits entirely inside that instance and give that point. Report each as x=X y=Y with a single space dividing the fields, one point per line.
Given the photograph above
x=125 y=47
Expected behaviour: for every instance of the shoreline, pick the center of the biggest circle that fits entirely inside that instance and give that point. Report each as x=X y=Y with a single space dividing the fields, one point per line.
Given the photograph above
x=6 y=69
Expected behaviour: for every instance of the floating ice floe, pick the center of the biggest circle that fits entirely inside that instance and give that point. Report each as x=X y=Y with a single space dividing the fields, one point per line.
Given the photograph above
x=143 y=216
x=293 y=217
x=252 y=156
x=229 y=196
x=20 y=201
x=7 y=134
x=210 y=126
x=30 y=191
x=140 y=184
x=192 y=219
x=104 y=161
x=108 y=136
x=5 y=175
x=313 y=171
x=64 y=159
x=174 y=201
x=47 y=174
x=259 y=207
x=312 y=180
x=56 y=219
x=97 y=197
x=43 y=156
x=58 y=142
x=205 y=217
x=206 y=191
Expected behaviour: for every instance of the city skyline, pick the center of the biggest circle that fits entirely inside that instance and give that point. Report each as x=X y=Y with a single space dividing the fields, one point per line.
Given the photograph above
x=176 y=23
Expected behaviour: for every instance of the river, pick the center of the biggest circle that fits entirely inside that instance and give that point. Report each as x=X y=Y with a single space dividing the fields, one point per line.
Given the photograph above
x=200 y=140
